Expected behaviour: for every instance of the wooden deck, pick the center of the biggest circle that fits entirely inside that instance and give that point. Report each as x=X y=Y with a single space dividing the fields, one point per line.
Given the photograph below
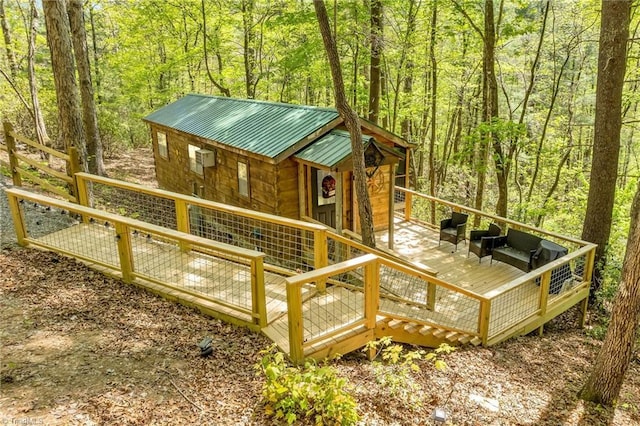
x=366 y=296
x=211 y=278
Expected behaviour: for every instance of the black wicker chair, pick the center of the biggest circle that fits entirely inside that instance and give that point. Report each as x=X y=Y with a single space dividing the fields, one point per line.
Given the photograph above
x=454 y=229
x=481 y=242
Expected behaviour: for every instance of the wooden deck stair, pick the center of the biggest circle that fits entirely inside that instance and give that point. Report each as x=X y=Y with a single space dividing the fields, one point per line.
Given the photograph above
x=408 y=331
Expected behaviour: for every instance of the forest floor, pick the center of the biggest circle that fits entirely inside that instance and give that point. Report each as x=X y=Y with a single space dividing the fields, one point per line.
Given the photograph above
x=78 y=347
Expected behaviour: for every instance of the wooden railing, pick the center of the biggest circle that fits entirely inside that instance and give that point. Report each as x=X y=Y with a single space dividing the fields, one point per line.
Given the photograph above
x=18 y=171
x=128 y=261
x=365 y=308
x=543 y=308
x=516 y=307
x=412 y=196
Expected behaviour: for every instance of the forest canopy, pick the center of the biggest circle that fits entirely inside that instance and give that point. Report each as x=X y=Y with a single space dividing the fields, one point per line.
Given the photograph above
x=429 y=55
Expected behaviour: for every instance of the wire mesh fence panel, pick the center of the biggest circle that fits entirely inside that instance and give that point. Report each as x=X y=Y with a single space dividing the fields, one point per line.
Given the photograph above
x=135 y=204
x=511 y=307
x=93 y=241
x=284 y=246
x=399 y=284
x=339 y=250
x=220 y=277
x=451 y=309
x=42 y=219
x=339 y=307
x=566 y=276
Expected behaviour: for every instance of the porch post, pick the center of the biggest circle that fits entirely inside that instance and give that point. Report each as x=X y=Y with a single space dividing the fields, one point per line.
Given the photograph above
x=392 y=204
x=339 y=200
x=301 y=192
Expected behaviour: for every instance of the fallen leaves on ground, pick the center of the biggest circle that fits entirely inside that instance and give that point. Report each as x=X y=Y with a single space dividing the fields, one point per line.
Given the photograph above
x=82 y=348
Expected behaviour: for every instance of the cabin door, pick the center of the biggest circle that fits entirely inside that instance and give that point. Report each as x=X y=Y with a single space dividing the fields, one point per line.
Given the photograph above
x=323 y=195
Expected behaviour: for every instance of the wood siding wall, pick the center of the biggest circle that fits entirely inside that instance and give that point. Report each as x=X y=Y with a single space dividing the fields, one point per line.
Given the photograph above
x=272 y=188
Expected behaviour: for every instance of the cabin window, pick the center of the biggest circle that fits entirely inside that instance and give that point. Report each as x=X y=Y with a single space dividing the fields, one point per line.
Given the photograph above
x=162 y=145
x=243 y=179
x=193 y=165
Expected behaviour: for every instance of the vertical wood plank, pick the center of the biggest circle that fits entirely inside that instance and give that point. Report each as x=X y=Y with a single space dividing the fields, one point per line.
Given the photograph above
x=18 y=219
x=75 y=166
x=431 y=296
x=545 y=282
x=392 y=204
x=302 y=190
x=408 y=197
x=294 y=313
x=11 y=147
x=483 y=320
x=182 y=221
x=259 y=300
x=339 y=203
x=320 y=255
x=124 y=252
x=371 y=292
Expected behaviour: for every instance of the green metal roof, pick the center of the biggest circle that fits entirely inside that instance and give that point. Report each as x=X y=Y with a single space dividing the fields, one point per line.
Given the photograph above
x=330 y=150
x=264 y=128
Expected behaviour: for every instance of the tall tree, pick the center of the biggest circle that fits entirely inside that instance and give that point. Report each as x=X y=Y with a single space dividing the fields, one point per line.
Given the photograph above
x=89 y=115
x=352 y=123
x=605 y=381
x=41 y=129
x=376 y=36
x=59 y=39
x=612 y=56
x=8 y=42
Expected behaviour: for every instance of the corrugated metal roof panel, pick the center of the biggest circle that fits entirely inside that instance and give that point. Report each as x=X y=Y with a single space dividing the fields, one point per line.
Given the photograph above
x=329 y=150
x=264 y=128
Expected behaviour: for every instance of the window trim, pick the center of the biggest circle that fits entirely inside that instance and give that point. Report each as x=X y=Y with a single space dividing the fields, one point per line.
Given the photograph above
x=247 y=180
x=193 y=166
x=164 y=144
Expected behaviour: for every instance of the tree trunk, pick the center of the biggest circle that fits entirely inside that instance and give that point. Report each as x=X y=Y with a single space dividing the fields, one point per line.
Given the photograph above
x=8 y=43
x=41 y=129
x=376 y=49
x=434 y=97
x=89 y=116
x=225 y=91
x=605 y=381
x=96 y=57
x=614 y=32
x=71 y=132
x=352 y=123
x=249 y=49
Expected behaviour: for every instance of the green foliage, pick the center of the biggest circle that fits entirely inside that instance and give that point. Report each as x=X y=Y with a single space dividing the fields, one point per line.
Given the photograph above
x=313 y=392
x=395 y=373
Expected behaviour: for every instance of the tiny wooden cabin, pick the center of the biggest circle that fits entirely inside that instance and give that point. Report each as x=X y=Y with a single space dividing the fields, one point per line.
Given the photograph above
x=284 y=159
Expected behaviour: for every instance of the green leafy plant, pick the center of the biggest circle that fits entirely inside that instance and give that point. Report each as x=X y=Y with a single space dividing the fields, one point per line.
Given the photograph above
x=396 y=369
x=311 y=392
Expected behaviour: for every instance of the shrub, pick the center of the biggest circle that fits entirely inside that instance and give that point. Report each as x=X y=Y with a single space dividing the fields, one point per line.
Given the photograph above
x=312 y=392
x=395 y=372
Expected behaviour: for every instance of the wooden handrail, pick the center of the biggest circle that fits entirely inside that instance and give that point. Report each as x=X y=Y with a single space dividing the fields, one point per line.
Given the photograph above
x=137 y=224
x=44 y=168
x=39 y=146
x=124 y=225
x=493 y=217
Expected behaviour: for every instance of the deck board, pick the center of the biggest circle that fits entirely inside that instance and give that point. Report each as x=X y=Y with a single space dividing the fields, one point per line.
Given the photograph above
x=420 y=244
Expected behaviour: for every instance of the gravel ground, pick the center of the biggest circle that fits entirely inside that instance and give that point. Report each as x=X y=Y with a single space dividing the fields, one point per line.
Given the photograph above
x=7 y=234
x=39 y=221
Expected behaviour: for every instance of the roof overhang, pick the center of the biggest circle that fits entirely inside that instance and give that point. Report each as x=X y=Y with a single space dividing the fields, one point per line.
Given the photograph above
x=333 y=152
